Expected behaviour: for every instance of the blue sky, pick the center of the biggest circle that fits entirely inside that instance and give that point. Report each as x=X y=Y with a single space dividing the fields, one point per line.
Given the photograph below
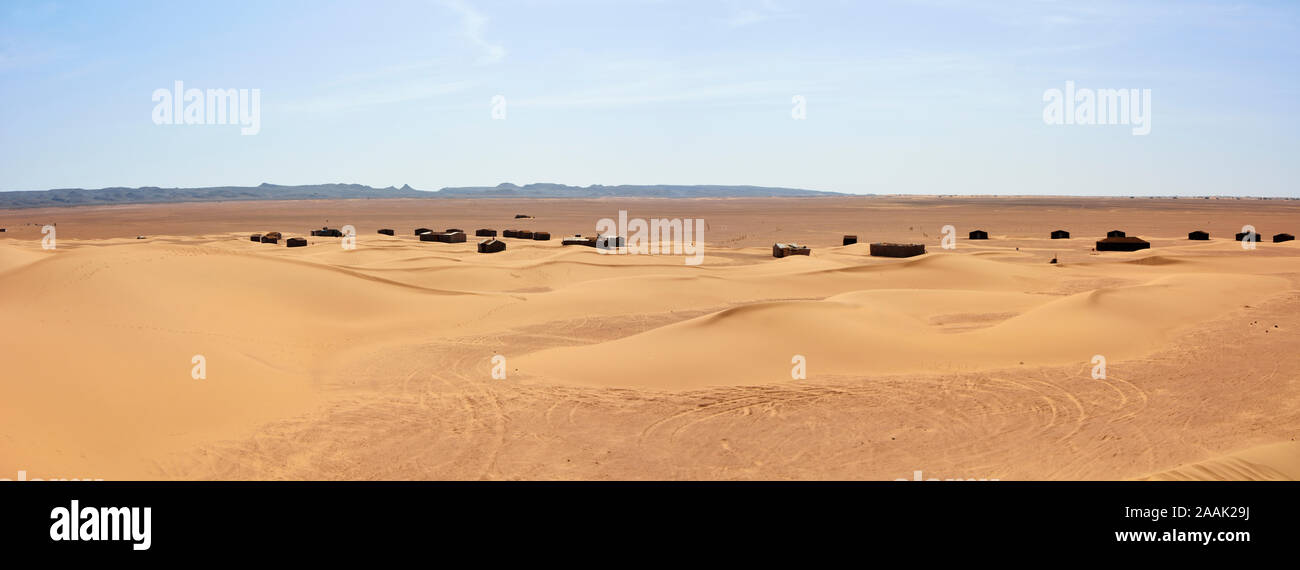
x=926 y=96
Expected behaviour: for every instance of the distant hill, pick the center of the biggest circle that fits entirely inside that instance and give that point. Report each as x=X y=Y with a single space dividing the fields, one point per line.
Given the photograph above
x=153 y=195
x=544 y=190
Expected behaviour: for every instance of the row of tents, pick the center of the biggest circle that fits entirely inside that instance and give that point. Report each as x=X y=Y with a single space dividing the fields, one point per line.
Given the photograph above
x=1062 y=234
x=275 y=237
x=1115 y=240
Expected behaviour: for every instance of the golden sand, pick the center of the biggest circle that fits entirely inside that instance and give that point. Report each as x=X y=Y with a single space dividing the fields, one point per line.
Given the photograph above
x=376 y=363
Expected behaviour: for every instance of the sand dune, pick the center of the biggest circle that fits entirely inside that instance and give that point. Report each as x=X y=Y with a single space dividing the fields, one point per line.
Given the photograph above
x=376 y=362
x=867 y=332
x=1273 y=462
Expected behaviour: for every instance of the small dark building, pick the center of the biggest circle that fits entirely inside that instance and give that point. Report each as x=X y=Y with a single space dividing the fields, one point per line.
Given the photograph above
x=419 y=231
x=1241 y=236
x=850 y=240
x=541 y=236
x=1122 y=244
x=609 y=242
x=450 y=237
x=295 y=242
x=788 y=249
x=979 y=234
x=485 y=233
x=1060 y=234
x=1115 y=233
x=256 y=237
x=1198 y=235
x=1279 y=238
x=387 y=232
x=897 y=249
x=491 y=245
x=579 y=240
x=525 y=234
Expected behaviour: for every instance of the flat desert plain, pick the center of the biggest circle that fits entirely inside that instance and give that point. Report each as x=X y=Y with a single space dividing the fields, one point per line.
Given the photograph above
x=377 y=362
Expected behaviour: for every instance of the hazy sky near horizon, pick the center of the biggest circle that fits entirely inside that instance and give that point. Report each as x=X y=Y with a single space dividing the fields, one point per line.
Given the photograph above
x=922 y=96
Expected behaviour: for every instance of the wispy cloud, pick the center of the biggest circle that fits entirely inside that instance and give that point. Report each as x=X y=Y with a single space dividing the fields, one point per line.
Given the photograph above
x=748 y=12
x=472 y=23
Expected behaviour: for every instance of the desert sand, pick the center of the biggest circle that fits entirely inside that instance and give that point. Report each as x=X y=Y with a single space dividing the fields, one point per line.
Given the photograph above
x=376 y=362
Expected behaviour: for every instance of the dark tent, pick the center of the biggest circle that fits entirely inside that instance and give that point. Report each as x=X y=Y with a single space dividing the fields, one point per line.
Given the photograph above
x=522 y=216
x=609 y=242
x=850 y=240
x=510 y=233
x=491 y=245
x=1115 y=233
x=444 y=237
x=525 y=234
x=387 y=232
x=897 y=249
x=1279 y=238
x=256 y=237
x=578 y=240
x=419 y=231
x=541 y=236
x=295 y=242
x=788 y=249
x=1122 y=244
x=1242 y=236
x=1198 y=235
x=485 y=233
x=979 y=234
x=454 y=230
x=1060 y=234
